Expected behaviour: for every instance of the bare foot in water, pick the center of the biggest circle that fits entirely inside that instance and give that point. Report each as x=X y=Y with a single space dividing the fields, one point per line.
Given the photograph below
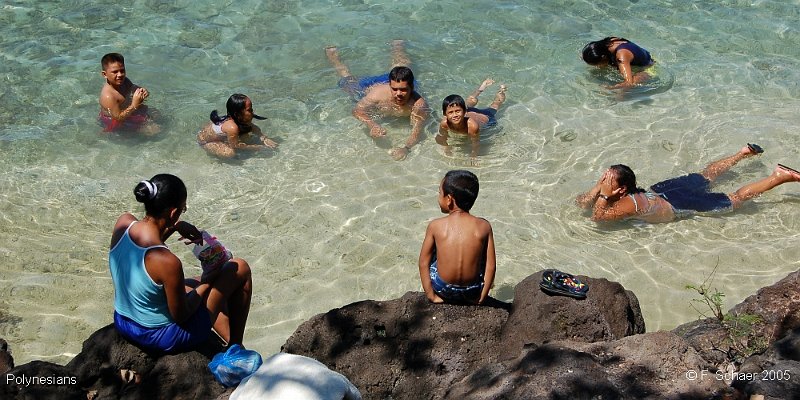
x=333 y=56
x=499 y=98
x=787 y=174
x=399 y=56
x=751 y=150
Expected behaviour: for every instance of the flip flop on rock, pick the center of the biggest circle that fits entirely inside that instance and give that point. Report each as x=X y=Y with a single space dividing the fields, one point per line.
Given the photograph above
x=562 y=283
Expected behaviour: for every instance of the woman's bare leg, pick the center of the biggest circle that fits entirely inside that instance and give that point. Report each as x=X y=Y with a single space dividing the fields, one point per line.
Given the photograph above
x=717 y=168
x=219 y=149
x=229 y=300
x=779 y=176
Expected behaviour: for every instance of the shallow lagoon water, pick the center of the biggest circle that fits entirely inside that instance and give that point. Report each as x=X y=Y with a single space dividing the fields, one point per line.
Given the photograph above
x=330 y=218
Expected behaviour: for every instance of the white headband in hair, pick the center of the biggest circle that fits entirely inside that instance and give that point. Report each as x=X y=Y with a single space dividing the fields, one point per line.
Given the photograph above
x=152 y=188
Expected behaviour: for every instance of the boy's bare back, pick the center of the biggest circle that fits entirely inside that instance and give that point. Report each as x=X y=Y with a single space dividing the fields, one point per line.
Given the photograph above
x=461 y=241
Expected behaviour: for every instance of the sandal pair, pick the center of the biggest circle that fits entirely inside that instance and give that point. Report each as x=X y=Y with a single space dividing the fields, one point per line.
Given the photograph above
x=562 y=283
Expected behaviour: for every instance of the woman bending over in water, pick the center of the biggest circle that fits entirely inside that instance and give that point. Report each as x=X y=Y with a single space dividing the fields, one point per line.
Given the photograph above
x=622 y=54
x=223 y=136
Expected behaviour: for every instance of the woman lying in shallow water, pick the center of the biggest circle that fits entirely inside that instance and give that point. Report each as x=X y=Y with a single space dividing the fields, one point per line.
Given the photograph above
x=223 y=136
x=616 y=196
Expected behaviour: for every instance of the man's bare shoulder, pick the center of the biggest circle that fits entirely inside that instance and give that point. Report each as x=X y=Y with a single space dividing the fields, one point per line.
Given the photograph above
x=418 y=102
x=378 y=92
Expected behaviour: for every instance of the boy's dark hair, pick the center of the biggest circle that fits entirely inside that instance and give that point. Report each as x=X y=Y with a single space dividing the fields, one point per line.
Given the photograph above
x=596 y=52
x=625 y=178
x=402 y=74
x=160 y=193
x=111 y=58
x=463 y=186
x=453 y=99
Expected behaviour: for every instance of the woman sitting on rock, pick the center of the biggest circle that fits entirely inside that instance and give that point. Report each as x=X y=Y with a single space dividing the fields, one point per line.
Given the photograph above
x=154 y=306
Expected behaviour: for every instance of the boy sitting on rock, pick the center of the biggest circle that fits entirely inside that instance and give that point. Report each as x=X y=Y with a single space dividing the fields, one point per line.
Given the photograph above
x=457 y=260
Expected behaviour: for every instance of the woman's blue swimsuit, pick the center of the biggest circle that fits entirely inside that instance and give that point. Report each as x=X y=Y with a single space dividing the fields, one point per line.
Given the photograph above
x=141 y=313
x=690 y=193
x=641 y=57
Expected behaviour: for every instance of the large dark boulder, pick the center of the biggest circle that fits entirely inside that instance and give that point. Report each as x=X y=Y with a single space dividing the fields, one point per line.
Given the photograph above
x=778 y=305
x=608 y=312
x=542 y=346
x=644 y=366
x=41 y=380
x=177 y=376
x=775 y=373
x=411 y=349
x=406 y=348
x=97 y=372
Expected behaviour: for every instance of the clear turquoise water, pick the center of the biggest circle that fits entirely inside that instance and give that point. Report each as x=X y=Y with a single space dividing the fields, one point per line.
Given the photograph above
x=329 y=218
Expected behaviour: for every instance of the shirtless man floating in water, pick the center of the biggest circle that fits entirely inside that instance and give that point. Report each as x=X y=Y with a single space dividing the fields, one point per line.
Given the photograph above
x=389 y=94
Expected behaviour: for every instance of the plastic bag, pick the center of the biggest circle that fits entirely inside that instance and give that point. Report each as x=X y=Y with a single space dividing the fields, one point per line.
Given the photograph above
x=212 y=254
x=230 y=367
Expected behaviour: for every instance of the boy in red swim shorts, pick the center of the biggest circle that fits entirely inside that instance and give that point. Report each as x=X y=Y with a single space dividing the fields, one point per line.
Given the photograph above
x=121 y=101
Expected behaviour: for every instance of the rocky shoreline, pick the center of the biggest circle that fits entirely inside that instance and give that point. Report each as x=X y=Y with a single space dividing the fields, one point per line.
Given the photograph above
x=538 y=346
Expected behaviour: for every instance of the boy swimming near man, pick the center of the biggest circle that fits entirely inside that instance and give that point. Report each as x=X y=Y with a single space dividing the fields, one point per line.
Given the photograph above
x=122 y=101
x=457 y=260
x=462 y=117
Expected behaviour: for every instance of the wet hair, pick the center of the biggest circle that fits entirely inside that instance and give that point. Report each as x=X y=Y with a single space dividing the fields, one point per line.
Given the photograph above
x=463 y=186
x=402 y=74
x=625 y=178
x=235 y=107
x=160 y=193
x=597 y=52
x=111 y=58
x=453 y=99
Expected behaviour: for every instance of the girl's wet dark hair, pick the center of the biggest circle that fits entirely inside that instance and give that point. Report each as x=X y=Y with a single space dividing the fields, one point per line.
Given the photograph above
x=453 y=99
x=597 y=52
x=235 y=107
x=626 y=178
x=402 y=74
x=463 y=186
x=160 y=193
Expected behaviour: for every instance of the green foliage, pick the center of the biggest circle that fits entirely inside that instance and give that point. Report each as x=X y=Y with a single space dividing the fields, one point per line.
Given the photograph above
x=744 y=337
